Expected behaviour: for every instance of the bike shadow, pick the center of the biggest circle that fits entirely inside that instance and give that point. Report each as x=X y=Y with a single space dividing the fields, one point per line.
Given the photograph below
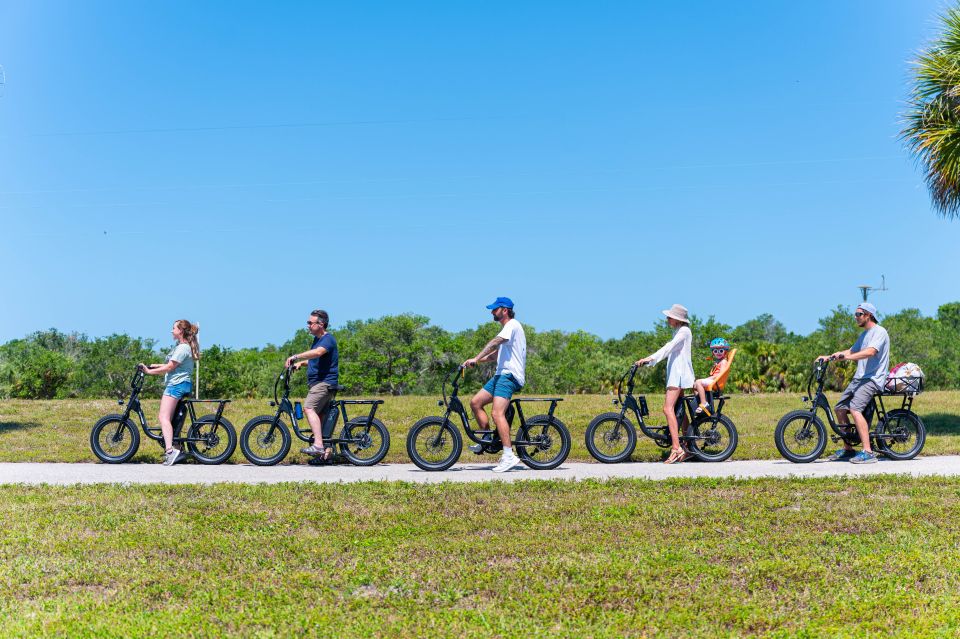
x=942 y=424
x=9 y=427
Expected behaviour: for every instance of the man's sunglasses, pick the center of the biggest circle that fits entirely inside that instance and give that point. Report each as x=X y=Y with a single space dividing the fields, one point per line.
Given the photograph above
x=859 y=314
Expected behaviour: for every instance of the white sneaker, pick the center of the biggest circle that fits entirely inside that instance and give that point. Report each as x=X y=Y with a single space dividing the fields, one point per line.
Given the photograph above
x=171 y=458
x=507 y=461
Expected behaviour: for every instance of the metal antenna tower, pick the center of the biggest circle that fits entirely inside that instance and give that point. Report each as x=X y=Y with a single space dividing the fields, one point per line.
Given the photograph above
x=866 y=289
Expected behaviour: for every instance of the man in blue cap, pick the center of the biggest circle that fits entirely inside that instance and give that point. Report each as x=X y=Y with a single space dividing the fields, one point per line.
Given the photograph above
x=510 y=349
x=871 y=352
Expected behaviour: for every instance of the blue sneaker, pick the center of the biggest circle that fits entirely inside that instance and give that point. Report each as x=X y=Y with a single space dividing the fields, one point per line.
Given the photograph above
x=842 y=455
x=863 y=457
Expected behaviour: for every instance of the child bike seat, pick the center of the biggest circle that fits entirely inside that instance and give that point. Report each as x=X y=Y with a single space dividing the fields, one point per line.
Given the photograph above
x=721 y=381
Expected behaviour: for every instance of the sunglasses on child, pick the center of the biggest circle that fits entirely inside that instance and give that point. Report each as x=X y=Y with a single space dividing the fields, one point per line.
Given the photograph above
x=718 y=351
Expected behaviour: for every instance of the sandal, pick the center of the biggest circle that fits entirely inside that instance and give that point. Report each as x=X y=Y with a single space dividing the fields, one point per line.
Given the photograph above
x=702 y=409
x=677 y=455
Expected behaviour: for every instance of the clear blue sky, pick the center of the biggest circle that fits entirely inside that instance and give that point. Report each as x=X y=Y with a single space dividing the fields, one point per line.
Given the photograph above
x=240 y=163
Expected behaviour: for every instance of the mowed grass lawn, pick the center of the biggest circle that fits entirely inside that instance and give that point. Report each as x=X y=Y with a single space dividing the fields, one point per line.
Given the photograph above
x=59 y=430
x=864 y=557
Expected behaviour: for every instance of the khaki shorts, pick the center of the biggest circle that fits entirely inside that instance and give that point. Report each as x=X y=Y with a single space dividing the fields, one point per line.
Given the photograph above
x=858 y=395
x=319 y=397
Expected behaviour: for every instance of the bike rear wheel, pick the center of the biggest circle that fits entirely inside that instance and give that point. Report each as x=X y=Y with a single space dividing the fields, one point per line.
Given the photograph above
x=905 y=435
x=265 y=440
x=434 y=443
x=114 y=440
x=800 y=436
x=549 y=442
x=610 y=439
x=218 y=440
x=716 y=438
x=364 y=443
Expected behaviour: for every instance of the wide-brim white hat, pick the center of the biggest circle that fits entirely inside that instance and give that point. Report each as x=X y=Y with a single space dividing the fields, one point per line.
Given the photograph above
x=678 y=313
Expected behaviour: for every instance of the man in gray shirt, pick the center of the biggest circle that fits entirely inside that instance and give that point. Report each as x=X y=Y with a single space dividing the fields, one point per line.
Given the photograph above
x=871 y=352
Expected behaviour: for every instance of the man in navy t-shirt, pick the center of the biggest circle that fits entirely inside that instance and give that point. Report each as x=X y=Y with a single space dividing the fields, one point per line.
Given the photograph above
x=323 y=363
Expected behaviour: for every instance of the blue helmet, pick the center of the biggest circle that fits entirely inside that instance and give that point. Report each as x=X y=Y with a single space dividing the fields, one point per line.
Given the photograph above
x=720 y=343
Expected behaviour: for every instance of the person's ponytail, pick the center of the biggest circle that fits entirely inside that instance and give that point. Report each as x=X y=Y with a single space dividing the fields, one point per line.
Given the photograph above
x=189 y=332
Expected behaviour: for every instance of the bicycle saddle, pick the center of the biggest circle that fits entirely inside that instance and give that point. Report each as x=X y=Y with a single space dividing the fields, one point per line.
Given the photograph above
x=339 y=388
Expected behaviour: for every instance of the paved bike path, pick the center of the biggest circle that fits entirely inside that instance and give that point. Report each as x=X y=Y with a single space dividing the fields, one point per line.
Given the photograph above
x=476 y=471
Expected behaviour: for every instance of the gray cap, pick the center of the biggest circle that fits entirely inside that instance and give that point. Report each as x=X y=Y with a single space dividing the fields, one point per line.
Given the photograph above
x=868 y=307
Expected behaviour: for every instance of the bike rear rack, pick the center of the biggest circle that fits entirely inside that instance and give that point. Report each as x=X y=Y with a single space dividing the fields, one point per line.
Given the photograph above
x=193 y=413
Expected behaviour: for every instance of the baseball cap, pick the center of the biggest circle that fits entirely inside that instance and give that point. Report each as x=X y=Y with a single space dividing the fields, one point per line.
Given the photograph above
x=501 y=302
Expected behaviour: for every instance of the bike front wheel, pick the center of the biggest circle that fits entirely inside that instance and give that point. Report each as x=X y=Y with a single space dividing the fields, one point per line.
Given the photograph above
x=610 y=438
x=217 y=440
x=901 y=435
x=114 y=440
x=547 y=442
x=800 y=436
x=364 y=442
x=714 y=439
x=434 y=443
x=265 y=440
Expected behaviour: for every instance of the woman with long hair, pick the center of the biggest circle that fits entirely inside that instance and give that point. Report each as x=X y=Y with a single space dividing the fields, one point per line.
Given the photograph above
x=679 y=374
x=178 y=373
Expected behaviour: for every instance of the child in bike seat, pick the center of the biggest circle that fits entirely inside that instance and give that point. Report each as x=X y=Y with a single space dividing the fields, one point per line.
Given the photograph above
x=722 y=356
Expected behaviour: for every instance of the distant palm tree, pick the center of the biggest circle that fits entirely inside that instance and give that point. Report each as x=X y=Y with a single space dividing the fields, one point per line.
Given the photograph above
x=932 y=121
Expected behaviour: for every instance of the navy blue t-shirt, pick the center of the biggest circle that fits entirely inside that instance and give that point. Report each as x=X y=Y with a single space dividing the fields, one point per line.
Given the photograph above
x=324 y=368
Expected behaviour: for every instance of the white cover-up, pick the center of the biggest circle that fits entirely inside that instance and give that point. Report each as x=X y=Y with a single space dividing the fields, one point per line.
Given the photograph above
x=679 y=359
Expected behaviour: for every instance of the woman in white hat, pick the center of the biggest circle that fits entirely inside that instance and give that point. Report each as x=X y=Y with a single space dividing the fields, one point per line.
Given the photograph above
x=679 y=373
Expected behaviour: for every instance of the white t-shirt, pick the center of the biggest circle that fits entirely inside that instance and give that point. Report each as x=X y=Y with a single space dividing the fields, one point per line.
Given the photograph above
x=512 y=355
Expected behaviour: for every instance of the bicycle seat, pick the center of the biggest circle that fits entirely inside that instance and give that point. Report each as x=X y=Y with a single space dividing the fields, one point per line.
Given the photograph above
x=339 y=388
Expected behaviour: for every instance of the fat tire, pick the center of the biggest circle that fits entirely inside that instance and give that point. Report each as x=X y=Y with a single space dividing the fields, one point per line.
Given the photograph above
x=704 y=422
x=820 y=432
x=225 y=429
x=919 y=430
x=129 y=428
x=526 y=453
x=448 y=430
x=361 y=423
x=281 y=431
x=628 y=436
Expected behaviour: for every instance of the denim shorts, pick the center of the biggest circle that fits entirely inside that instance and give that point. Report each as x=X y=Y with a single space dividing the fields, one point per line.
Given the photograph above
x=178 y=390
x=502 y=386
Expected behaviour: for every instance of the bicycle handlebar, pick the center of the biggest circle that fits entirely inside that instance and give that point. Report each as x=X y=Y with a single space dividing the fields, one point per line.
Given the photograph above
x=461 y=370
x=631 y=374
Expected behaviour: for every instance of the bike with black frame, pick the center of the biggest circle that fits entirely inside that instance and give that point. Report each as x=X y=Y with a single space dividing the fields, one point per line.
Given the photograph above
x=434 y=443
x=265 y=440
x=612 y=437
x=801 y=435
x=210 y=439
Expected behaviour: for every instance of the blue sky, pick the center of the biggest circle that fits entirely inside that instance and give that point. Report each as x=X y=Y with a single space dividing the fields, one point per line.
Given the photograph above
x=239 y=164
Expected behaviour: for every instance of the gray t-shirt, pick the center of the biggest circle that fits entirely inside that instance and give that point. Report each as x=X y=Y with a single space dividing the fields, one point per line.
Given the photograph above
x=184 y=370
x=876 y=367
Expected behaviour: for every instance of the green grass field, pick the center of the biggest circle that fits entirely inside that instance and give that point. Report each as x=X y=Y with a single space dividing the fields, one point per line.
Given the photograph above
x=870 y=557
x=59 y=430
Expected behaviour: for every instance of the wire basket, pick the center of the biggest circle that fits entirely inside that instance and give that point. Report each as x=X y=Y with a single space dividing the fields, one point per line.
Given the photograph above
x=903 y=386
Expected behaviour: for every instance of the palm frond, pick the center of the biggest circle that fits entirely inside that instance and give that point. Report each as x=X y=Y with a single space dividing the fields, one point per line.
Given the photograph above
x=931 y=123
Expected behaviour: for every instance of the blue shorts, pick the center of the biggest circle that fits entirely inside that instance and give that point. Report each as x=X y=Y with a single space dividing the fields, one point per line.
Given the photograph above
x=178 y=390
x=502 y=386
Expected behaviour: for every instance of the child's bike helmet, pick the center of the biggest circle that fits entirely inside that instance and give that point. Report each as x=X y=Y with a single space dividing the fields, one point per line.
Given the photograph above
x=720 y=343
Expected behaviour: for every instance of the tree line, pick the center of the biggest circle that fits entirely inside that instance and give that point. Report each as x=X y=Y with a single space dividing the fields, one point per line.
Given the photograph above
x=406 y=355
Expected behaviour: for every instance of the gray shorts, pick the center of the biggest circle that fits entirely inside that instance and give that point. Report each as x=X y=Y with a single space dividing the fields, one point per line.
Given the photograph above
x=319 y=397
x=858 y=395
